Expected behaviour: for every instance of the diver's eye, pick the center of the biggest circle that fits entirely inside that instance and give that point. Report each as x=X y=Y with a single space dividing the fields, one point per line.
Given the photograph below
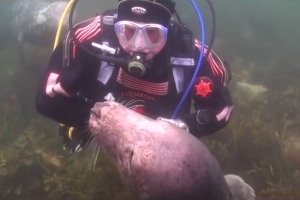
x=129 y=31
x=153 y=34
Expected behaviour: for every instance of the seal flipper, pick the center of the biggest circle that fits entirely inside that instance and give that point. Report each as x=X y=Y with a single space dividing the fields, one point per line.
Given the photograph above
x=20 y=45
x=238 y=188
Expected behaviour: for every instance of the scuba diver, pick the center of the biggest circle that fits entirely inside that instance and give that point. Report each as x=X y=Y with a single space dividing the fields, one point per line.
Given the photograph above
x=159 y=56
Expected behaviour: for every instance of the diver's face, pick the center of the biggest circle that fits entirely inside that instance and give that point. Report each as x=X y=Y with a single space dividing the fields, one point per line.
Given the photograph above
x=137 y=37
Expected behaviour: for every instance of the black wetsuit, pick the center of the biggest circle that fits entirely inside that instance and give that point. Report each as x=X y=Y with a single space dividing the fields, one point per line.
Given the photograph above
x=66 y=94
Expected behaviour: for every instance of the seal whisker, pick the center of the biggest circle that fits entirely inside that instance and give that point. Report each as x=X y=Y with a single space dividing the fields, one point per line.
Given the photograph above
x=89 y=141
x=91 y=158
x=94 y=147
x=87 y=129
x=90 y=144
x=96 y=157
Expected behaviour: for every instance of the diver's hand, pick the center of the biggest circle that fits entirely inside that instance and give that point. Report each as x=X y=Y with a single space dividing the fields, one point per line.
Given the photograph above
x=74 y=139
x=70 y=79
x=177 y=122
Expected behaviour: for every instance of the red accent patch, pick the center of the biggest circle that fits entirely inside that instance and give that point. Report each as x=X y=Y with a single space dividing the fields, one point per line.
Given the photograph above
x=139 y=109
x=203 y=88
x=128 y=81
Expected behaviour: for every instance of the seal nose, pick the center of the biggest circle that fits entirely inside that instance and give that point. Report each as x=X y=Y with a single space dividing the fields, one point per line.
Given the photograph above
x=96 y=111
x=100 y=105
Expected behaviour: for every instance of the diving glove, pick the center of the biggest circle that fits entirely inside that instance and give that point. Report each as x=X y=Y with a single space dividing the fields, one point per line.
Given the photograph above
x=177 y=122
x=74 y=138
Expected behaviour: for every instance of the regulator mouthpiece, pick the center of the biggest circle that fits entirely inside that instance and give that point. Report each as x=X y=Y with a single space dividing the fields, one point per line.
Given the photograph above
x=136 y=66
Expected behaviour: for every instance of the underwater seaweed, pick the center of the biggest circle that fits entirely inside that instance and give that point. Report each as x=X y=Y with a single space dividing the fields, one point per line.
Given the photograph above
x=258 y=144
x=261 y=141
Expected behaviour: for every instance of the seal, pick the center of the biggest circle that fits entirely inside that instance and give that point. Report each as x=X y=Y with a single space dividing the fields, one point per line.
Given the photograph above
x=156 y=159
x=36 y=22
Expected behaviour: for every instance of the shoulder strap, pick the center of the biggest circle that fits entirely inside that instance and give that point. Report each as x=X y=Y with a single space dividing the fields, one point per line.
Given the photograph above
x=110 y=39
x=181 y=45
x=107 y=24
x=67 y=41
x=107 y=32
x=181 y=54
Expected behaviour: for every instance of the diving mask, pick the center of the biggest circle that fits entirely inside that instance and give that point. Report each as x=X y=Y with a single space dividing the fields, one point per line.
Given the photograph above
x=145 y=38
